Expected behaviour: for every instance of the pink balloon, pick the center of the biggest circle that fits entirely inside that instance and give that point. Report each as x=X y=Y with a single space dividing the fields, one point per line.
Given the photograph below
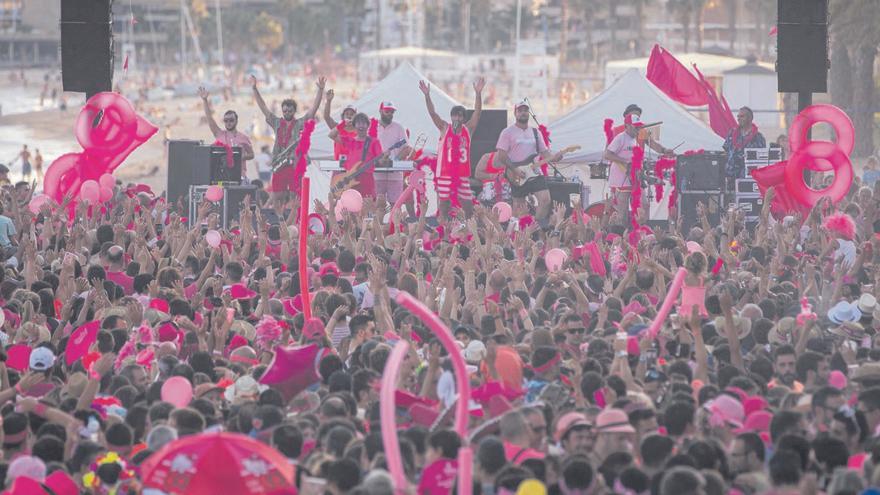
x=106 y=193
x=351 y=200
x=90 y=191
x=37 y=202
x=212 y=237
x=671 y=297
x=504 y=211
x=107 y=181
x=388 y=415
x=554 y=259
x=214 y=193
x=177 y=391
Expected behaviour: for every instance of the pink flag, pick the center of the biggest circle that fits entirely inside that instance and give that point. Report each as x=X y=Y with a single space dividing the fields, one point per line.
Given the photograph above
x=674 y=79
x=293 y=370
x=721 y=119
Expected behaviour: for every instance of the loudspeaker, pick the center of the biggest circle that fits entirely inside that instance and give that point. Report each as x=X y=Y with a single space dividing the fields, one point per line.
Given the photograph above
x=802 y=46
x=183 y=157
x=485 y=136
x=687 y=206
x=87 y=46
x=702 y=172
x=220 y=169
x=228 y=208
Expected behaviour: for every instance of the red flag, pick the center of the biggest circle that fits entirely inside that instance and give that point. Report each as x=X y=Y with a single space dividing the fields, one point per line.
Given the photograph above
x=674 y=79
x=783 y=202
x=721 y=119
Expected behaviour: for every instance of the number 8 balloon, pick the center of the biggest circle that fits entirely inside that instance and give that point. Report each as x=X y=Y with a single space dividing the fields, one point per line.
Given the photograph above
x=820 y=156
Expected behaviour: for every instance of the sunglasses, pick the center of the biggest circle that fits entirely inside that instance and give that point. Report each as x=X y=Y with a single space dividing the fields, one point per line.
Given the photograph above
x=577 y=331
x=232 y=119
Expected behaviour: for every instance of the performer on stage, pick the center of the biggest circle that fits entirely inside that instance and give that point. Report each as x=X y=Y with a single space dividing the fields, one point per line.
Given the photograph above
x=345 y=128
x=744 y=136
x=287 y=134
x=619 y=153
x=453 y=153
x=359 y=150
x=390 y=132
x=521 y=151
x=228 y=137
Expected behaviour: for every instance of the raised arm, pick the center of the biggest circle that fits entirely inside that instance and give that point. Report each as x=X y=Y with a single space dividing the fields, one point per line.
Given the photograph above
x=319 y=95
x=260 y=102
x=479 y=84
x=209 y=113
x=328 y=119
x=438 y=121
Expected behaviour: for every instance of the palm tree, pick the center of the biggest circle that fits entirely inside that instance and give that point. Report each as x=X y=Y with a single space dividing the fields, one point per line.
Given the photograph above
x=731 y=22
x=640 y=25
x=853 y=24
x=698 y=7
x=681 y=10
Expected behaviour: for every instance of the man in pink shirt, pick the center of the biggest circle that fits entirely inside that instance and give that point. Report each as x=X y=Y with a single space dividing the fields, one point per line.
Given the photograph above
x=116 y=270
x=228 y=137
x=390 y=132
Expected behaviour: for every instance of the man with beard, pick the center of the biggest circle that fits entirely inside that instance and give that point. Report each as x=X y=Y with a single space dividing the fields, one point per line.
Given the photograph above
x=229 y=136
x=518 y=149
x=390 y=132
x=287 y=134
x=453 y=159
x=345 y=128
x=784 y=368
x=360 y=149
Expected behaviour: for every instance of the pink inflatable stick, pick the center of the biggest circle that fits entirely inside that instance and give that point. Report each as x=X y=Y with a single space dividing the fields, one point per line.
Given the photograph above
x=465 y=471
x=458 y=366
x=388 y=415
x=304 y=248
x=671 y=297
x=416 y=183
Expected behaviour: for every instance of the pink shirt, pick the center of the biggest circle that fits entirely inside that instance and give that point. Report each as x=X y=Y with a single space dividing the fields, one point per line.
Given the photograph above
x=390 y=135
x=236 y=139
x=519 y=143
x=622 y=145
x=122 y=280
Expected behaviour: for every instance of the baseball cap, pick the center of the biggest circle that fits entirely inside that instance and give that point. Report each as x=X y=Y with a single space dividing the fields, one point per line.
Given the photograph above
x=522 y=103
x=387 y=105
x=41 y=359
x=569 y=421
x=632 y=108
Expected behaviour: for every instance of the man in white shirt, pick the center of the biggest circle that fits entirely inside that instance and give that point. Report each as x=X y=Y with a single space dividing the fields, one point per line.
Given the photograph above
x=390 y=132
x=619 y=152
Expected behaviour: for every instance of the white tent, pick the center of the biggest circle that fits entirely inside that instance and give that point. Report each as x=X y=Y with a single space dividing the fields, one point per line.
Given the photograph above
x=584 y=126
x=400 y=87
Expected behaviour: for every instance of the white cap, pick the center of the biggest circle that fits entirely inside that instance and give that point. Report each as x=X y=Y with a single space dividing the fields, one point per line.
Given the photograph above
x=41 y=359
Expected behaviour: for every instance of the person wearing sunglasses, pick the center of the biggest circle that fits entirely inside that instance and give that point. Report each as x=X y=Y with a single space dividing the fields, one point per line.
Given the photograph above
x=229 y=136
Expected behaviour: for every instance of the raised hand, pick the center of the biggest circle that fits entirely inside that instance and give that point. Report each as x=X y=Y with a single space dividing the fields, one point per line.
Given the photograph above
x=329 y=96
x=479 y=84
x=253 y=79
x=425 y=87
x=322 y=81
x=203 y=93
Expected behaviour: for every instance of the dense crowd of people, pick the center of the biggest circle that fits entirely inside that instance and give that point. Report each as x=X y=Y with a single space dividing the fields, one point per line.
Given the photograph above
x=764 y=379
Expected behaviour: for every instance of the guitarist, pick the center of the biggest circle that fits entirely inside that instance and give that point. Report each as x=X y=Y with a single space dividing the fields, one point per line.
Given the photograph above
x=518 y=147
x=360 y=149
x=287 y=133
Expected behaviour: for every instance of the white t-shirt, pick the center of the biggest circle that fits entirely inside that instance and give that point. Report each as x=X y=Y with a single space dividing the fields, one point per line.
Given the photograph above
x=263 y=161
x=622 y=145
x=846 y=252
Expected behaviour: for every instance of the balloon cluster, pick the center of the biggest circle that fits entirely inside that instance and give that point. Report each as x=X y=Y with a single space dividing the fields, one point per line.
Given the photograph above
x=108 y=129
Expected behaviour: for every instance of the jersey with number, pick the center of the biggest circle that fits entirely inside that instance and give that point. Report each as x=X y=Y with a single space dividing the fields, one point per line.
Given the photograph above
x=449 y=162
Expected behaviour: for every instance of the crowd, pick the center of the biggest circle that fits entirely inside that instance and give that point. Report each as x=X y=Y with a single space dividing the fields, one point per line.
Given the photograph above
x=765 y=379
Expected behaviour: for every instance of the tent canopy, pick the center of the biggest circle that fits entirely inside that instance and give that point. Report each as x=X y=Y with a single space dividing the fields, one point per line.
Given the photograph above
x=584 y=125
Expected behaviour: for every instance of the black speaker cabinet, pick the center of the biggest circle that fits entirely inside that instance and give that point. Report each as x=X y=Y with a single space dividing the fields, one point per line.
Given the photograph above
x=94 y=11
x=802 y=46
x=485 y=136
x=229 y=208
x=87 y=46
x=687 y=206
x=221 y=168
x=183 y=169
x=702 y=172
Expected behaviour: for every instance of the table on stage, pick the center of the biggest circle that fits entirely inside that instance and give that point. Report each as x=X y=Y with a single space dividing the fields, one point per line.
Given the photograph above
x=389 y=180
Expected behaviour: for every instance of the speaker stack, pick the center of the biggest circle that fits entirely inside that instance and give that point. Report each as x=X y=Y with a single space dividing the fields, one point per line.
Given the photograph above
x=700 y=179
x=802 y=46
x=87 y=46
x=485 y=136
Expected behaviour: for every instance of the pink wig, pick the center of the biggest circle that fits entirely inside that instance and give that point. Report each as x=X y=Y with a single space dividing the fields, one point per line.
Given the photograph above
x=841 y=225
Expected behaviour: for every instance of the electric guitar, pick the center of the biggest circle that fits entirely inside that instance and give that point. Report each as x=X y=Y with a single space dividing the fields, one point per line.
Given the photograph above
x=284 y=157
x=534 y=168
x=349 y=179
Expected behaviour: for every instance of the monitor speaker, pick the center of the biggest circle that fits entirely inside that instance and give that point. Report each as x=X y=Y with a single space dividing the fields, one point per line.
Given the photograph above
x=802 y=46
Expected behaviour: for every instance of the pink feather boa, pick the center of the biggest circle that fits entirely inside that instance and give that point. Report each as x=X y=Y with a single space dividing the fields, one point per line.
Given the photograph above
x=635 y=199
x=545 y=135
x=609 y=133
x=302 y=150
